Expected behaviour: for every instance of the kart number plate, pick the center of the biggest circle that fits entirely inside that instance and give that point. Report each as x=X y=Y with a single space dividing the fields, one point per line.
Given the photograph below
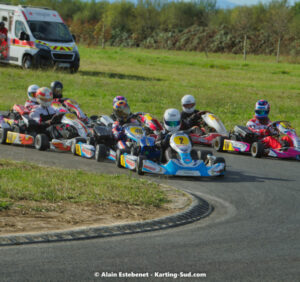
x=181 y=140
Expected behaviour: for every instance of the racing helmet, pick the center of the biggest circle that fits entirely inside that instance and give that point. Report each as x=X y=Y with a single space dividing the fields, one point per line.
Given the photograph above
x=31 y=91
x=121 y=110
x=172 y=120
x=57 y=89
x=262 y=109
x=188 y=103
x=44 y=96
x=119 y=98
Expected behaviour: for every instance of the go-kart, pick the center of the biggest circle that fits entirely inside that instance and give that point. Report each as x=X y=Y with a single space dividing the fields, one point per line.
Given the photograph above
x=243 y=140
x=27 y=132
x=183 y=161
x=100 y=145
x=72 y=106
x=208 y=128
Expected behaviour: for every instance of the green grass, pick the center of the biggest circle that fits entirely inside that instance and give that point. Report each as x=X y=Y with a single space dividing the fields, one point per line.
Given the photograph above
x=24 y=181
x=154 y=80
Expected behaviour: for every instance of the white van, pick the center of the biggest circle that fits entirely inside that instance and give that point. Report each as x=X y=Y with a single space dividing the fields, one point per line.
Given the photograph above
x=37 y=37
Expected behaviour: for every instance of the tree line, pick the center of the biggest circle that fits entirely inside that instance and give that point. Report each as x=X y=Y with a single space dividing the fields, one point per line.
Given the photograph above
x=197 y=25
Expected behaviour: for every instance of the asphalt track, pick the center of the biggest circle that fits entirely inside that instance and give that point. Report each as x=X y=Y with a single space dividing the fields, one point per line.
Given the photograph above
x=252 y=235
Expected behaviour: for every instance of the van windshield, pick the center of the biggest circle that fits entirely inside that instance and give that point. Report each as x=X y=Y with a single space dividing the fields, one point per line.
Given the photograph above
x=50 y=31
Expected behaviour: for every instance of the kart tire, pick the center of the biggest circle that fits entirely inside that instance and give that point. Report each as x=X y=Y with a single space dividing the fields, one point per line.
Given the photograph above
x=119 y=153
x=257 y=150
x=202 y=154
x=139 y=165
x=220 y=160
x=100 y=153
x=3 y=135
x=219 y=143
x=73 y=147
x=41 y=142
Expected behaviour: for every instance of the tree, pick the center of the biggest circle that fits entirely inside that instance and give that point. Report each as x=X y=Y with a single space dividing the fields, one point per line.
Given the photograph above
x=278 y=17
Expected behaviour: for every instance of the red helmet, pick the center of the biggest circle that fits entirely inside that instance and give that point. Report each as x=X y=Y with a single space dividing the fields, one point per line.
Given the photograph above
x=44 y=96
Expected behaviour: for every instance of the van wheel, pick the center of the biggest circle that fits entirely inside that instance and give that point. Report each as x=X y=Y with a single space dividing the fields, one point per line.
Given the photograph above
x=27 y=62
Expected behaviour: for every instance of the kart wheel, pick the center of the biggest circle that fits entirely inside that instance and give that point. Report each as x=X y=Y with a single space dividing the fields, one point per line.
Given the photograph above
x=139 y=165
x=202 y=154
x=3 y=135
x=119 y=153
x=101 y=152
x=219 y=143
x=41 y=142
x=257 y=150
x=219 y=160
x=73 y=147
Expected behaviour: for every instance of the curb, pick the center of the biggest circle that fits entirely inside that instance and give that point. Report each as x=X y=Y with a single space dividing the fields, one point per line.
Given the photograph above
x=196 y=211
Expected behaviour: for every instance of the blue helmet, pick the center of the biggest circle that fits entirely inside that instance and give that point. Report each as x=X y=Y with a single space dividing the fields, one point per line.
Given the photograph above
x=262 y=109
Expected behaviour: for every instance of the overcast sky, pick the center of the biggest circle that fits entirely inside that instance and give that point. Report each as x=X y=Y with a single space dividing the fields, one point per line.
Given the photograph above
x=249 y=2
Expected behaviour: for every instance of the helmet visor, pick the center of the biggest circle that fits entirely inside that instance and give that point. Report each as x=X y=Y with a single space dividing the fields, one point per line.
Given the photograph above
x=261 y=112
x=172 y=123
x=189 y=106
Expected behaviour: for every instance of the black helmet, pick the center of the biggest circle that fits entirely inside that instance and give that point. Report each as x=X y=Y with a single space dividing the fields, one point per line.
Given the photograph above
x=57 y=88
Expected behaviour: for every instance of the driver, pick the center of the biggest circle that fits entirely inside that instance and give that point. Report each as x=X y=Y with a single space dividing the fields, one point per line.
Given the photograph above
x=262 y=125
x=70 y=104
x=190 y=117
x=123 y=115
x=43 y=112
x=172 y=123
x=31 y=92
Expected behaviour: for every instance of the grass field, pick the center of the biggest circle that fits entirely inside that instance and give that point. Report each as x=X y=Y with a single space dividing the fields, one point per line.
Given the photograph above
x=22 y=181
x=154 y=80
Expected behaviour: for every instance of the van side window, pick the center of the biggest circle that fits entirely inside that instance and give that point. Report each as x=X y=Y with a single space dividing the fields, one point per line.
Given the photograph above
x=19 y=27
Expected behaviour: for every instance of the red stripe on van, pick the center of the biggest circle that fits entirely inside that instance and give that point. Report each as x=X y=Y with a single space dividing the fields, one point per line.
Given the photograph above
x=24 y=16
x=15 y=41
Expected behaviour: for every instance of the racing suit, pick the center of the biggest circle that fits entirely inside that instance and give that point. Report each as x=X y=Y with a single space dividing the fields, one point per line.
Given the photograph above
x=45 y=118
x=118 y=130
x=263 y=130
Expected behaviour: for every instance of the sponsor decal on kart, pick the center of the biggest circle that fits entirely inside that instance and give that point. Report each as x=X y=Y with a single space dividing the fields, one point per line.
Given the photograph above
x=61 y=146
x=227 y=146
x=152 y=167
x=130 y=163
x=26 y=139
x=85 y=151
x=212 y=117
x=188 y=173
x=18 y=138
x=136 y=131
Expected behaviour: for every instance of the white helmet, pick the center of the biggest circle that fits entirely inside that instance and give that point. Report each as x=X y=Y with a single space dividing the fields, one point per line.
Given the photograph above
x=188 y=103
x=44 y=97
x=31 y=91
x=172 y=119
